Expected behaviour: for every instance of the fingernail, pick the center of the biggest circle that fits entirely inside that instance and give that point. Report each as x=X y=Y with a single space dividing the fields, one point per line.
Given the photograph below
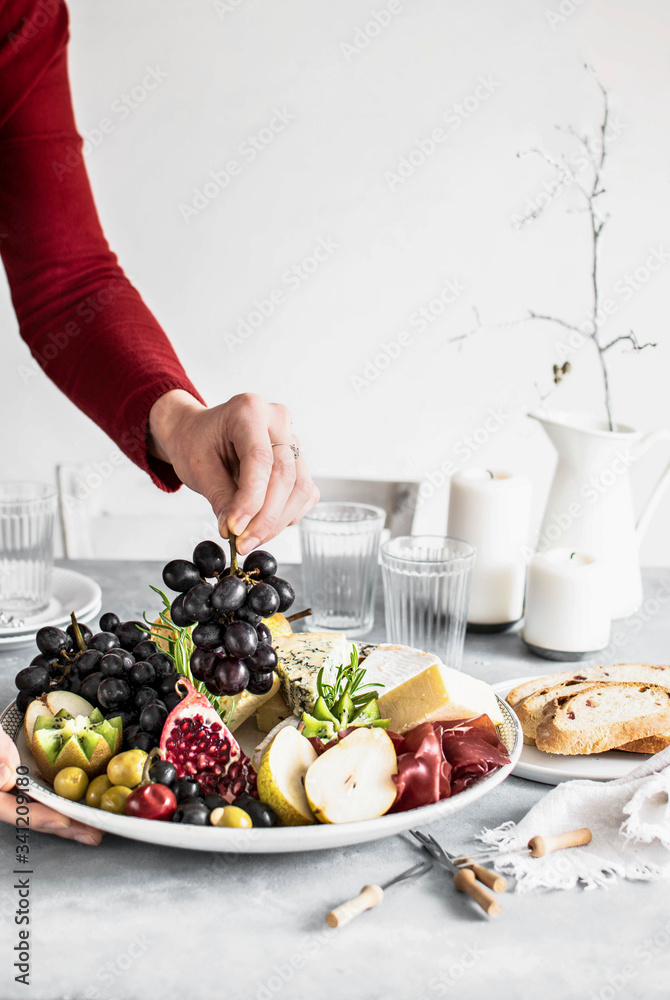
x=238 y=525
x=223 y=526
x=86 y=838
x=5 y=774
x=57 y=824
x=250 y=543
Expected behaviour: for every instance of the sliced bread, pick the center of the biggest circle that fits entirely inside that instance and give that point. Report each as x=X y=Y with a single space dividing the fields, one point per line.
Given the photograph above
x=530 y=709
x=650 y=744
x=531 y=687
x=602 y=717
x=644 y=672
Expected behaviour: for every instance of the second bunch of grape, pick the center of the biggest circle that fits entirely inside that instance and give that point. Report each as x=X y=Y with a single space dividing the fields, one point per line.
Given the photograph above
x=233 y=648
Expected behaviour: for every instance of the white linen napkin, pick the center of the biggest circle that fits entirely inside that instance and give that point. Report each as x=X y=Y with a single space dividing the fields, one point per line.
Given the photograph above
x=629 y=818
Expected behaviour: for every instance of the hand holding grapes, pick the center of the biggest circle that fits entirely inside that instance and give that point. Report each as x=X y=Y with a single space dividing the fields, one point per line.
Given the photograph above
x=42 y=818
x=226 y=454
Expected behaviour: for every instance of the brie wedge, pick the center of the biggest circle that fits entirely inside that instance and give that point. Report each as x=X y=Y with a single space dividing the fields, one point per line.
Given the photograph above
x=388 y=666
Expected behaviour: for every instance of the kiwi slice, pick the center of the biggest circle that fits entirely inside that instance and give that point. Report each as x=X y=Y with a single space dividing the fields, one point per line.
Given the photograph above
x=65 y=740
x=369 y=713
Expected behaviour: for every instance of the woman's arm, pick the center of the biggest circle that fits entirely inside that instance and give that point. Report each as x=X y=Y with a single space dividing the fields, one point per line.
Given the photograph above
x=87 y=326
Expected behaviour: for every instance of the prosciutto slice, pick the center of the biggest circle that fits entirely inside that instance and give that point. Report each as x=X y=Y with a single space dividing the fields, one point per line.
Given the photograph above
x=440 y=759
x=424 y=775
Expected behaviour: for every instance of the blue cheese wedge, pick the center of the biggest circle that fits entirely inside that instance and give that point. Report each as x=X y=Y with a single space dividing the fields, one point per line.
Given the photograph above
x=301 y=657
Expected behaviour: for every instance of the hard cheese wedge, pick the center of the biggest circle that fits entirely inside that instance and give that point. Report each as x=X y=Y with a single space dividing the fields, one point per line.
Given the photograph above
x=301 y=657
x=272 y=712
x=246 y=704
x=437 y=693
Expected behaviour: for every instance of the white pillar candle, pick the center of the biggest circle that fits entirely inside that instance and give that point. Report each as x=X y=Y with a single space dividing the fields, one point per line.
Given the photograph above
x=567 y=602
x=491 y=510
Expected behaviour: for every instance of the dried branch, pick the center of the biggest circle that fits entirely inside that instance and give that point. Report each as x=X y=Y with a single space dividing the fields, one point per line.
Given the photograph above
x=560 y=164
x=596 y=154
x=632 y=339
x=462 y=337
x=552 y=319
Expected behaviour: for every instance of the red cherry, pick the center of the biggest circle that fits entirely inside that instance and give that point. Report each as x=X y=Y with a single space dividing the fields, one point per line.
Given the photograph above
x=151 y=802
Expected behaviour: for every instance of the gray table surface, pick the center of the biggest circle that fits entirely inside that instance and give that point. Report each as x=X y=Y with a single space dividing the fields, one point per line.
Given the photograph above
x=138 y=922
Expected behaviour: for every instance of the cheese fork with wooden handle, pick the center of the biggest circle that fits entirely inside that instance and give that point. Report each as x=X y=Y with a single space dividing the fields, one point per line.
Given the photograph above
x=484 y=875
x=465 y=879
x=536 y=847
x=371 y=895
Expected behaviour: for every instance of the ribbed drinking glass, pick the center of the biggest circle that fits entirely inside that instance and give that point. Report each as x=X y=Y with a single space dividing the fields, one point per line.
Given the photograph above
x=426 y=593
x=340 y=545
x=27 y=514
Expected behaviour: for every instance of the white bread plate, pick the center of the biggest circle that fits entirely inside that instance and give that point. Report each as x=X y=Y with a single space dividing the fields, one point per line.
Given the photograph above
x=552 y=768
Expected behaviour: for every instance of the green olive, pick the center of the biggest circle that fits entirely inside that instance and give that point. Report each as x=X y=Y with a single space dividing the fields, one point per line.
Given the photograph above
x=114 y=799
x=95 y=790
x=230 y=816
x=126 y=768
x=71 y=783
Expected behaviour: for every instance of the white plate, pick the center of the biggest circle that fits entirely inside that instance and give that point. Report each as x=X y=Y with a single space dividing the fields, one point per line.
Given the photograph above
x=552 y=768
x=71 y=591
x=263 y=841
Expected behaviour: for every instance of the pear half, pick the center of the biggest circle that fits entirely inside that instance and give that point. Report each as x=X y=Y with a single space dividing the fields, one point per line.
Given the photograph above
x=281 y=777
x=353 y=780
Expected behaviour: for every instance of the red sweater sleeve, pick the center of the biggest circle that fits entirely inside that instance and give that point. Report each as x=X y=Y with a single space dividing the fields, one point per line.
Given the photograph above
x=85 y=324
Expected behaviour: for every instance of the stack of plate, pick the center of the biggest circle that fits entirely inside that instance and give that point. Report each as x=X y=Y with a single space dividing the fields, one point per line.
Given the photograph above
x=70 y=592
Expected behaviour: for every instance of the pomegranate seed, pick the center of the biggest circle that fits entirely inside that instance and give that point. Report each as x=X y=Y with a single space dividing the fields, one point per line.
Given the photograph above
x=200 y=746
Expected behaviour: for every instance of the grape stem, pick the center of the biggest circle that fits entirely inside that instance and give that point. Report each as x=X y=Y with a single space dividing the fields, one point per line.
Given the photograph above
x=299 y=614
x=77 y=632
x=233 y=554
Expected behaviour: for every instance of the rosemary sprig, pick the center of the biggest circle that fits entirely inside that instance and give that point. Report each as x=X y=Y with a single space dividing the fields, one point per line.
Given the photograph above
x=347 y=681
x=180 y=647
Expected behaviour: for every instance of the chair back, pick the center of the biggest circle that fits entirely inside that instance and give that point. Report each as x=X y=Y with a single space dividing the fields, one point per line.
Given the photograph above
x=398 y=499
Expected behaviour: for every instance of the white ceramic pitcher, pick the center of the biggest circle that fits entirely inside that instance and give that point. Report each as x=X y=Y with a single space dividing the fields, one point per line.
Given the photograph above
x=590 y=505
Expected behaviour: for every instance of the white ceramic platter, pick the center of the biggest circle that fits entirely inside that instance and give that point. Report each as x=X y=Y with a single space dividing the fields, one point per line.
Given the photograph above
x=552 y=768
x=263 y=841
x=71 y=591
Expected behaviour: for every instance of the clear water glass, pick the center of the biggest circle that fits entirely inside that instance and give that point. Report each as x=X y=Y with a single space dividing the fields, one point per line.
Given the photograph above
x=27 y=515
x=339 y=543
x=426 y=593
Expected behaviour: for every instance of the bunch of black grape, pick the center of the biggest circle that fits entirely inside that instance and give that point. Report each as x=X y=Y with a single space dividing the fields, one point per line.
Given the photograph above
x=119 y=670
x=233 y=645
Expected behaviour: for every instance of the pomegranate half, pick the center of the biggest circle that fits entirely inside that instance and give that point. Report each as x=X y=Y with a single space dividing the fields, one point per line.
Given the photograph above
x=200 y=746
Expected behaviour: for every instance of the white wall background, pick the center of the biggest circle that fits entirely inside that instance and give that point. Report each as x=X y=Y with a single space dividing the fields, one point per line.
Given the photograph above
x=227 y=66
